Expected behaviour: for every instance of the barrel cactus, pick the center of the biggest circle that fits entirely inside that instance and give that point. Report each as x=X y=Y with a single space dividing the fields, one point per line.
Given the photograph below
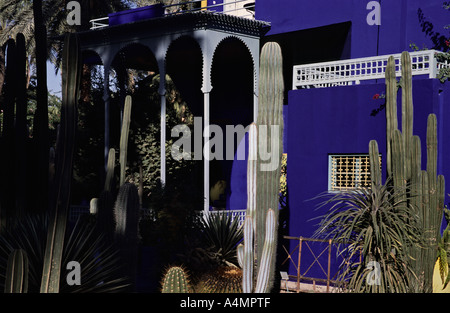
x=175 y=280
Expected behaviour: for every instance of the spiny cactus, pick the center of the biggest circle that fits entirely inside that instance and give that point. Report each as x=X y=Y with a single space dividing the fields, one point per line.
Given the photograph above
x=71 y=74
x=175 y=280
x=126 y=212
x=21 y=126
x=110 y=167
x=423 y=189
x=263 y=179
x=17 y=272
x=124 y=139
x=375 y=169
x=225 y=279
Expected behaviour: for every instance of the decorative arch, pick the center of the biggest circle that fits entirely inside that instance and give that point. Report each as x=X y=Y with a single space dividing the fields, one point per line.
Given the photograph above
x=233 y=80
x=237 y=39
x=184 y=65
x=91 y=57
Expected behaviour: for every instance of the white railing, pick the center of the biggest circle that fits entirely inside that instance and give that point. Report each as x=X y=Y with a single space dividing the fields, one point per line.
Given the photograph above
x=235 y=214
x=99 y=22
x=79 y=210
x=349 y=72
x=241 y=8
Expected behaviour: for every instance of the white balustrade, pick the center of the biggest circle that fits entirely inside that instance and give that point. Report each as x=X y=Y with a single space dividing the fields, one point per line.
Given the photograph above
x=353 y=71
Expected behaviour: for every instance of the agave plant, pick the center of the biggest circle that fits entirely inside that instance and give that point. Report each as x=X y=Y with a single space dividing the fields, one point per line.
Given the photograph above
x=98 y=259
x=441 y=275
x=372 y=226
x=222 y=234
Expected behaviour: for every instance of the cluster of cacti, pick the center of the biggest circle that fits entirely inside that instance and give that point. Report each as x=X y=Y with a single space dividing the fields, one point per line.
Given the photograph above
x=117 y=218
x=258 y=253
x=17 y=272
x=15 y=109
x=14 y=137
x=175 y=280
x=423 y=189
x=225 y=279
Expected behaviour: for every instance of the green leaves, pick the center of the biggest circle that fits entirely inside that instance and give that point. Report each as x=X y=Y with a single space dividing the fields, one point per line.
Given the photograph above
x=222 y=235
x=442 y=258
x=373 y=224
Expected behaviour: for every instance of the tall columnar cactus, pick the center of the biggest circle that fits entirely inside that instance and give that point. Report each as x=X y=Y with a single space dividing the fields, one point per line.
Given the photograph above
x=17 y=272
x=124 y=139
x=263 y=176
x=110 y=166
x=375 y=169
x=60 y=194
x=14 y=137
x=391 y=110
x=422 y=189
x=21 y=126
x=126 y=212
x=175 y=281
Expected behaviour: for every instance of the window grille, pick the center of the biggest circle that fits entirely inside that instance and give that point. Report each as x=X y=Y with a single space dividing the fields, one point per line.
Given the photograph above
x=349 y=171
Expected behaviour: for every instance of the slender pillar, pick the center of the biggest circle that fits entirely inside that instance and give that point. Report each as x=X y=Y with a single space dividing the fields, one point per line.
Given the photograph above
x=208 y=47
x=106 y=99
x=206 y=150
x=162 y=93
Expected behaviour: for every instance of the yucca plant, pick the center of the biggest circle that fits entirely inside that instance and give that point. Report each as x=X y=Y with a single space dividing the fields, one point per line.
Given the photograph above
x=99 y=260
x=441 y=273
x=222 y=234
x=371 y=225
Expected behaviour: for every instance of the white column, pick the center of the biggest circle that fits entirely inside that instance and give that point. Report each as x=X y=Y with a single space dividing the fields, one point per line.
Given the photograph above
x=162 y=93
x=206 y=149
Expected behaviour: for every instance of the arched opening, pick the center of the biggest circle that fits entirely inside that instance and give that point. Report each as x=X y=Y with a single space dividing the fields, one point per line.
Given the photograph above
x=184 y=105
x=88 y=160
x=135 y=72
x=233 y=80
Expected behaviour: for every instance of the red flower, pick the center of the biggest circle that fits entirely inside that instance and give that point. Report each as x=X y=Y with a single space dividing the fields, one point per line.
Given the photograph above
x=447 y=42
x=376 y=96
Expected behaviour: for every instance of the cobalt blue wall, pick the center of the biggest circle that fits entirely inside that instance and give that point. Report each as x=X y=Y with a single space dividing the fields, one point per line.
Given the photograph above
x=339 y=120
x=237 y=199
x=402 y=22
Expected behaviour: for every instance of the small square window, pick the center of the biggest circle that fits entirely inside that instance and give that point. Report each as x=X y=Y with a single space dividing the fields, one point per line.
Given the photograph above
x=348 y=171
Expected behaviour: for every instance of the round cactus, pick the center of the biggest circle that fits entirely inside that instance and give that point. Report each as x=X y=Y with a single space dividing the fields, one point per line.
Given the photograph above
x=175 y=281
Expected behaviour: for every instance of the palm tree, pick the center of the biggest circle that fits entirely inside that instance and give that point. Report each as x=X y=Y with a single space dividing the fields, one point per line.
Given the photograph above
x=16 y=16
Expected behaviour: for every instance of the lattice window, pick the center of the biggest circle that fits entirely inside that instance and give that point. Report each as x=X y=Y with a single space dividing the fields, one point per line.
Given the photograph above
x=348 y=171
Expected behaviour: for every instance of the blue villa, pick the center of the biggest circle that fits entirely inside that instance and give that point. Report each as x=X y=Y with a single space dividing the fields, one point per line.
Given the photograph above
x=334 y=56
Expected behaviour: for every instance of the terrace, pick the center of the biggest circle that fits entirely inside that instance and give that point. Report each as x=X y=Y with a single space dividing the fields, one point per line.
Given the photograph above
x=354 y=71
x=240 y=8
